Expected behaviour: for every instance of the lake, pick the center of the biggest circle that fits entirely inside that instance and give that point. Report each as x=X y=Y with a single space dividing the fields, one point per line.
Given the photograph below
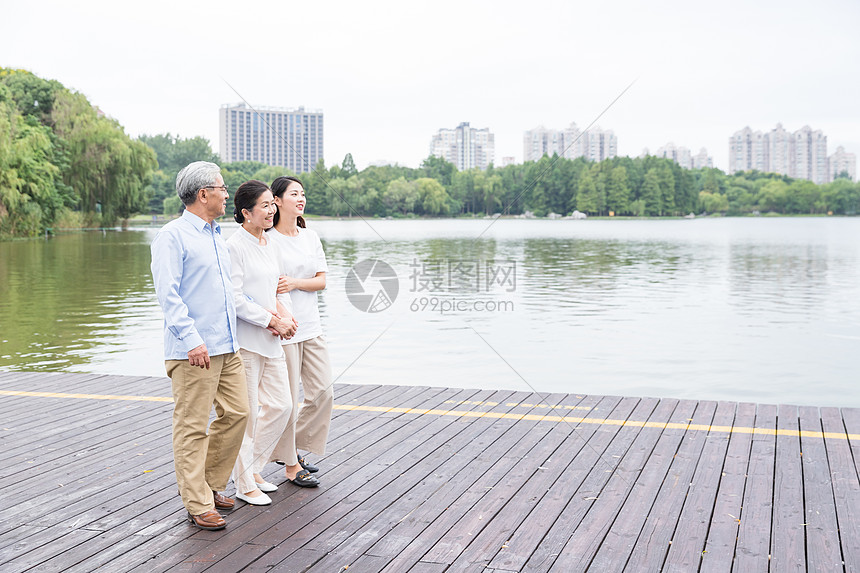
x=745 y=309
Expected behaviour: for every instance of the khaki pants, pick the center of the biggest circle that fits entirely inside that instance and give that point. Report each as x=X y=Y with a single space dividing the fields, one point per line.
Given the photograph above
x=309 y=425
x=270 y=409
x=203 y=460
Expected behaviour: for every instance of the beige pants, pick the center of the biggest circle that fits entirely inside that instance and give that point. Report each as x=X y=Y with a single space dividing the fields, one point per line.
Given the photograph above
x=203 y=460
x=270 y=407
x=309 y=425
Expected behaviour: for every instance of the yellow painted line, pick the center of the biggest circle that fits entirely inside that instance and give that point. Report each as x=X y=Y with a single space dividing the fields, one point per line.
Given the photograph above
x=497 y=415
x=85 y=396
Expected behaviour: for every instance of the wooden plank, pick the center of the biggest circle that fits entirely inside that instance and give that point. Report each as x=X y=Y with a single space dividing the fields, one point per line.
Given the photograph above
x=305 y=508
x=788 y=543
x=620 y=440
x=587 y=538
x=11 y=535
x=427 y=524
x=648 y=550
x=434 y=433
x=461 y=533
x=679 y=526
x=753 y=544
x=364 y=537
x=164 y=549
x=822 y=532
x=35 y=550
x=388 y=498
x=719 y=551
x=50 y=449
x=846 y=488
x=520 y=527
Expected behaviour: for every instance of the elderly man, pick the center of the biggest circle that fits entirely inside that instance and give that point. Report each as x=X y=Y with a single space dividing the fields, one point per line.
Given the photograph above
x=191 y=272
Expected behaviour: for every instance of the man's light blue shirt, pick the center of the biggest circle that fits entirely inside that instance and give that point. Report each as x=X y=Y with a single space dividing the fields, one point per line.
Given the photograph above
x=191 y=273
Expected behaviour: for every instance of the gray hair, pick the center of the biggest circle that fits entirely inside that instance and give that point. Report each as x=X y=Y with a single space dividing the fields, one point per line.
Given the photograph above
x=194 y=177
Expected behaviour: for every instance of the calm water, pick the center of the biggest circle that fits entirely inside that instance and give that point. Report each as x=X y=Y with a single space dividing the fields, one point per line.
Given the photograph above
x=763 y=310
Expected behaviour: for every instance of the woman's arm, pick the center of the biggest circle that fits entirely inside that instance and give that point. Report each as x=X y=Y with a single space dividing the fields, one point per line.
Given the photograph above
x=246 y=309
x=287 y=284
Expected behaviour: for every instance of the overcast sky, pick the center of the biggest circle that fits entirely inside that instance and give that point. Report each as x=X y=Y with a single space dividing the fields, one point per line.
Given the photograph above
x=388 y=75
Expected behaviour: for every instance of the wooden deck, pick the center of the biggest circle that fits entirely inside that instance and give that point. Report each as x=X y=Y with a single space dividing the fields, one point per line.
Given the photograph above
x=428 y=480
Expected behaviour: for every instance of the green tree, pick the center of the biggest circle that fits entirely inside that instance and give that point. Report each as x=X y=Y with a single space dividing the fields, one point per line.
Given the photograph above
x=488 y=190
x=348 y=166
x=772 y=196
x=269 y=173
x=28 y=201
x=432 y=196
x=667 y=189
x=843 y=197
x=586 y=197
x=107 y=169
x=652 y=195
x=400 y=196
x=439 y=169
x=713 y=202
x=618 y=191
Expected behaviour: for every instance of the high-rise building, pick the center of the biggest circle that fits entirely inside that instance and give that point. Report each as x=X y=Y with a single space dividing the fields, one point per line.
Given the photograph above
x=810 y=155
x=841 y=162
x=464 y=146
x=287 y=137
x=781 y=150
x=748 y=150
x=702 y=159
x=802 y=154
x=541 y=141
x=680 y=155
x=684 y=157
x=595 y=144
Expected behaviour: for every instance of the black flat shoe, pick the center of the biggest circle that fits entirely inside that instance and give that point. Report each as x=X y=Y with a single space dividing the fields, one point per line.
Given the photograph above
x=305 y=465
x=308 y=466
x=304 y=479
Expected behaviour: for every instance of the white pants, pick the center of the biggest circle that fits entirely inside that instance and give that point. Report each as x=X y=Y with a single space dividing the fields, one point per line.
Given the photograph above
x=309 y=426
x=268 y=392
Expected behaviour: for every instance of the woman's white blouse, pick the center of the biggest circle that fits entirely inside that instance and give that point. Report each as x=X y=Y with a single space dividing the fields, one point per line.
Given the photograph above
x=255 y=283
x=301 y=257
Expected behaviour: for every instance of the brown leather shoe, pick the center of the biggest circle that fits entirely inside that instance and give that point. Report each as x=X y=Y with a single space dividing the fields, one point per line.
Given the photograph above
x=222 y=502
x=210 y=520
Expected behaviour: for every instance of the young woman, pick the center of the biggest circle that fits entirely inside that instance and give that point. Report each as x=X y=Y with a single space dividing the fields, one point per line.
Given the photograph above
x=303 y=268
x=262 y=320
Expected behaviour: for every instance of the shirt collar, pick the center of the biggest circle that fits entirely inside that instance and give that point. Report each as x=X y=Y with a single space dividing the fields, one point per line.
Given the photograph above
x=199 y=223
x=251 y=238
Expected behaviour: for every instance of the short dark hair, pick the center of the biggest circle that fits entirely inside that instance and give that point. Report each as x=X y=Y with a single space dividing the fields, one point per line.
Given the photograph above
x=246 y=197
x=279 y=186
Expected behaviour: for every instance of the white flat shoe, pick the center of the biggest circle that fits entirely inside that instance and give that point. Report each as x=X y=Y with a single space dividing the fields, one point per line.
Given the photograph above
x=261 y=499
x=267 y=487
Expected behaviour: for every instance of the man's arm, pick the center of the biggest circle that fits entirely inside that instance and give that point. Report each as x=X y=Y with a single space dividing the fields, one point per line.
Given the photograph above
x=167 y=270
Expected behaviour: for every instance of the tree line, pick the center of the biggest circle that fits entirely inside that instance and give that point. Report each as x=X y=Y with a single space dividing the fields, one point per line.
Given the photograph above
x=622 y=186
x=63 y=163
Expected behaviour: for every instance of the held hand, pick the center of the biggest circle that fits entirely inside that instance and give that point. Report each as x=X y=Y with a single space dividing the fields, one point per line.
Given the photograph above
x=286 y=284
x=275 y=317
x=199 y=357
x=280 y=327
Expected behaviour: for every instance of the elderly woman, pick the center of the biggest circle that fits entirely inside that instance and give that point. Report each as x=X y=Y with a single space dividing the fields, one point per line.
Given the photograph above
x=262 y=320
x=303 y=269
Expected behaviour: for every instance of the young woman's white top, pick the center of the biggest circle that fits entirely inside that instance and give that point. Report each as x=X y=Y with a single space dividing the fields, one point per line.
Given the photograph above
x=255 y=283
x=301 y=257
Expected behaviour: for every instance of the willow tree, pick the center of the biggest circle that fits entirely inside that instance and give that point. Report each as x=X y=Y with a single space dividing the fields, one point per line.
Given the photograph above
x=28 y=201
x=108 y=170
